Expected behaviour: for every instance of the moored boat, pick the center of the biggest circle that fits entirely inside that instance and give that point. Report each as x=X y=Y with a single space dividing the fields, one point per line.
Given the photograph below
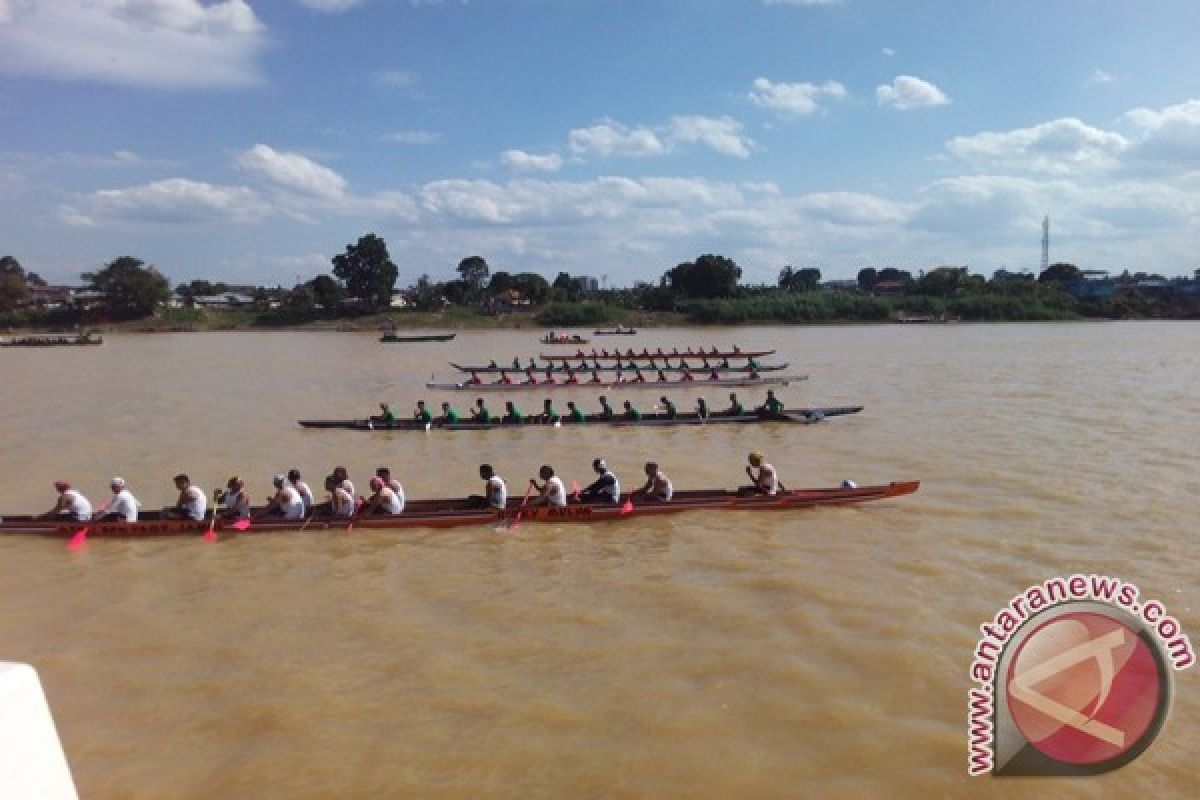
x=696 y=383
x=451 y=513
x=392 y=336
x=802 y=416
x=573 y=338
x=53 y=340
x=618 y=331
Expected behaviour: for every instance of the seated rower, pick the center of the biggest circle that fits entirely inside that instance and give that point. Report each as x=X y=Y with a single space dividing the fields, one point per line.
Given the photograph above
x=305 y=493
x=574 y=414
x=751 y=363
x=71 y=504
x=192 y=502
x=286 y=503
x=532 y=363
x=571 y=379
x=675 y=351
x=384 y=474
x=549 y=412
x=495 y=493
x=724 y=363
x=772 y=406
x=736 y=349
x=669 y=410
x=512 y=414
x=481 y=413
x=704 y=362
x=341 y=502
x=504 y=378
x=606 y=488
x=687 y=375
x=474 y=380
x=342 y=476
x=661 y=377
x=492 y=364
x=549 y=377
x=579 y=353
x=753 y=375
x=713 y=375
x=551 y=493
x=516 y=364
x=736 y=409
x=583 y=365
x=449 y=415
x=422 y=414
x=386 y=416
x=123 y=507
x=638 y=377
x=632 y=413
x=384 y=500
x=532 y=379
x=660 y=352
x=657 y=486
x=234 y=501
x=606 y=411
x=595 y=377
x=701 y=408
x=762 y=475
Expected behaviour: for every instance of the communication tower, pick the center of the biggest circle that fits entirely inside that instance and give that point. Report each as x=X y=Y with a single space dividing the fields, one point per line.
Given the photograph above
x=1045 y=242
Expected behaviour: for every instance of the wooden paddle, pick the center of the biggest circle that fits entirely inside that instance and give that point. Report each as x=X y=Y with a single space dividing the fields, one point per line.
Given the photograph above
x=515 y=522
x=78 y=539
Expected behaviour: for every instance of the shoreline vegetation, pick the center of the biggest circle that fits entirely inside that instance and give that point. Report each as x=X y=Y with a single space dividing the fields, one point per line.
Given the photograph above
x=127 y=295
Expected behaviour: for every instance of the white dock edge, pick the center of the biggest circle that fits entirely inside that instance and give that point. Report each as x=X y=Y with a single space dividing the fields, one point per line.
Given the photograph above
x=32 y=762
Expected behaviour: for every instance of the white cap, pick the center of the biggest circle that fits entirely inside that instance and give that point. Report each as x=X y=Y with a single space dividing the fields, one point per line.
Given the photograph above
x=117 y=481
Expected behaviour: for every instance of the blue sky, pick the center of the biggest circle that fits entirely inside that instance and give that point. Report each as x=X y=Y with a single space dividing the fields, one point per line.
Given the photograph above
x=252 y=141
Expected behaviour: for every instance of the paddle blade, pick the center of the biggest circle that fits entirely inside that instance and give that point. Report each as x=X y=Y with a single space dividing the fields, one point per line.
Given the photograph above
x=627 y=507
x=241 y=525
x=210 y=536
x=78 y=540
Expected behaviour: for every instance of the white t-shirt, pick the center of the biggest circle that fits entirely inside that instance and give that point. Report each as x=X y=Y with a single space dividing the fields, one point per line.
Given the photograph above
x=554 y=494
x=290 y=503
x=343 y=502
x=391 y=501
x=77 y=505
x=239 y=502
x=768 y=481
x=195 y=503
x=497 y=492
x=306 y=494
x=125 y=504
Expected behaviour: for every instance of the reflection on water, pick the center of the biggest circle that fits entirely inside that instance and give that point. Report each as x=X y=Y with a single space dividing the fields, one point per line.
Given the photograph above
x=715 y=655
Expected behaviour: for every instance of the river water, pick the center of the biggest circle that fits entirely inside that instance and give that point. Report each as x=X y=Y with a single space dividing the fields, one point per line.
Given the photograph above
x=807 y=653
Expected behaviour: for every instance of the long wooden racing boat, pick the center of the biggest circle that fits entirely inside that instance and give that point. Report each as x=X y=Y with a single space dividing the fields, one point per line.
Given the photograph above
x=417 y=337
x=571 y=339
x=802 y=416
x=698 y=383
x=618 y=331
x=453 y=513
x=646 y=355
x=584 y=369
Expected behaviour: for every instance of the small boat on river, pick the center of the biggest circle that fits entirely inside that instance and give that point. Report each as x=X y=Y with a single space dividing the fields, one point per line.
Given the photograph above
x=749 y=379
x=454 y=513
x=618 y=331
x=564 y=338
x=53 y=340
x=801 y=416
x=392 y=336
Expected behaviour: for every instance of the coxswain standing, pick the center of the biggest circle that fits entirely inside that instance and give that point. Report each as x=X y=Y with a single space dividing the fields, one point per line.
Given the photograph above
x=657 y=486
x=71 y=504
x=495 y=493
x=765 y=480
x=305 y=493
x=192 y=502
x=604 y=489
x=123 y=507
x=384 y=500
x=286 y=503
x=551 y=493
x=234 y=501
x=481 y=413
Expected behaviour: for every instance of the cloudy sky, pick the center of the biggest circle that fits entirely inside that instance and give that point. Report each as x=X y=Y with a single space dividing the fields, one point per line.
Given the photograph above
x=252 y=141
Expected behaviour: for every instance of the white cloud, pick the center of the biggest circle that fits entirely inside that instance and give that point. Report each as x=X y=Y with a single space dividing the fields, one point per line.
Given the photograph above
x=1098 y=77
x=412 y=137
x=292 y=171
x=1169 y=138
x=888 y=51
x=1061 y=146
x=906 y=92
x=330 y=6
x=611 y=138
x=174 y=201
x=794 y=99
x=852 y=208
x=520 y=160
x=400 y=79
x=721 y=134
x=174 y=44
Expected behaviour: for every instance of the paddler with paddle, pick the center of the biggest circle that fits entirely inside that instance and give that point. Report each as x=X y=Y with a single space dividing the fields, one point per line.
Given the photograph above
x=386 y=417
x=495 y=492
x=551 y=493
x=606 y=488
x=234 y=501
x=385 y=500
x=606 y=411
x=669 y=410
x=762 y=474
x=286 y=502
x=123 y=507
x=736 y=409
x=71 y=504
x=772 y=407
x=549 y=413
x=422 y=414
x=191 y=503
x=631 y=413
x=481 y=413
x=574 y=414
x=658 y=485
x=341 y=502
x=305 y=493
x=512 y=414
x=449 y=415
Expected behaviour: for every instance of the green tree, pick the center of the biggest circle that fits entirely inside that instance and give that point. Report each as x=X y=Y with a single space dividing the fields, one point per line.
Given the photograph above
x=367 y=271
x=707 y=276
x=567 y=288
x=943 y=281
x=474 y=272
x=326 y=292
x=131 y=290
x=799 y=280
x=1060 y=273
x=427 y=295
x=532 y=286
x=14 y=289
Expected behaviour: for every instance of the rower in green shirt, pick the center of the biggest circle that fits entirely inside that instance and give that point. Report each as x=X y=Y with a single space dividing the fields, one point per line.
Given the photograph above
x=422 y=414
x=574 y=414
x=512 y=414
x=516 y=363
x=632 y=413
x=606 y=411
x=481 y=413
x=449 y=415
x=736 y=409
x=386 y=416
x=549 y=412
x=773 y=405
x=669 y=410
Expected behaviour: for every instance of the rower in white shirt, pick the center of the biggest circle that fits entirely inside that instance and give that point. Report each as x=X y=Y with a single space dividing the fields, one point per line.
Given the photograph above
x=192 y=503
x=765 y=481
x=305 y=493
x=286 y=502
x=341 y=502
x=551 y=493
x=71 y=503
x=235 y=500
x=123 y=507
x=495 y=492
x=385 y=500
